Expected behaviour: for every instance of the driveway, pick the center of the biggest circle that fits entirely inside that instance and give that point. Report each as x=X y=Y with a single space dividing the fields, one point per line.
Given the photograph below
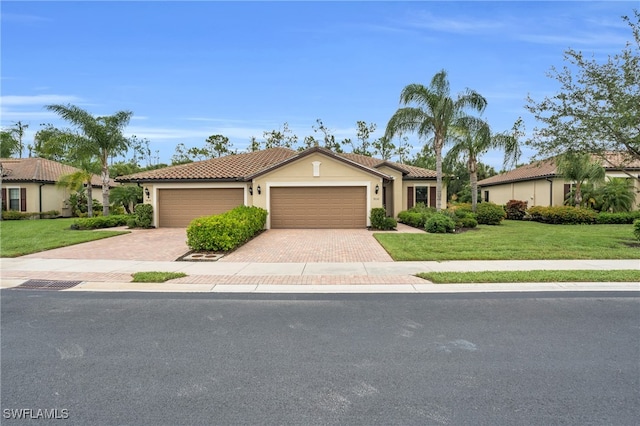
x=272 y=246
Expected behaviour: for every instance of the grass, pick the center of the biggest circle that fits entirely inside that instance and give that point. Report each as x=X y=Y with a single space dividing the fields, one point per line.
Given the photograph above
x=623 y=275
x=516 y=240
x=156 y=277
x=20 y=237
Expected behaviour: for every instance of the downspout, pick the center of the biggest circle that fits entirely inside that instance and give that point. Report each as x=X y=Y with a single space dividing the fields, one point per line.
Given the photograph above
x=40 y=196
x=550 y=191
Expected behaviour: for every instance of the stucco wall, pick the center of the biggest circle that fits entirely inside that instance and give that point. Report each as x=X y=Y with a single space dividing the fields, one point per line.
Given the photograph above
x=51 y=196
x=429 y=184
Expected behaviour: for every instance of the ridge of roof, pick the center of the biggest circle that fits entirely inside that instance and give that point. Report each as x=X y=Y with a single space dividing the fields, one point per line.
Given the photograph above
x=36 y=169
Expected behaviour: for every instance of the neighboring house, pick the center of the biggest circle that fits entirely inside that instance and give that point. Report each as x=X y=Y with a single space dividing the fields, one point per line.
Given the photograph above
x=29 y=185
x=539 y=183
x=315 y=188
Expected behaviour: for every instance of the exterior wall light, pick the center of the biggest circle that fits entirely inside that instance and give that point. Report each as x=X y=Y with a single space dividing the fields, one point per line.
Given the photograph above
x=259 y=190
x=377 y=188
x=146 y=192
x=251 y=190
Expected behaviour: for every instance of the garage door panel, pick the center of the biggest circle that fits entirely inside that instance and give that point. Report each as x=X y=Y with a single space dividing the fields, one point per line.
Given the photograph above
x=178 y=207
x=318 y=207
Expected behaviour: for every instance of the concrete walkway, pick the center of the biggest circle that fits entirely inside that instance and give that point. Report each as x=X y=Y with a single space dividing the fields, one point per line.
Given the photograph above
x=316 y=277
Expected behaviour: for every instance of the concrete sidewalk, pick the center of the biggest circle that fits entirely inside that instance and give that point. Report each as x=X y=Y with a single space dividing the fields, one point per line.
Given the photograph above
x=359 y=277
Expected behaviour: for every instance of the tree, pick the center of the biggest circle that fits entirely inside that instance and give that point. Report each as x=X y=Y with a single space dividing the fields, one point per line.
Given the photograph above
x=579 y=168
x=309 y=142
x=431 y=111
x=384 y=148
x=9 y=145
x=597 y=109
x=18 y=133
x=474 y=138
x=363 y=134
x=328 y=138
x=103 y=138
x=126 y=195
x=280 y=138
x=254 y=145
x=82 y=178
x=181 y=155
x=617 y=195
x=219 y=145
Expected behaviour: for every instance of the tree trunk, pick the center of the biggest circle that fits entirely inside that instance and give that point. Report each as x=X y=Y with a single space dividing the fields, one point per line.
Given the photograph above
x=438 y=149
x=105 y=186
x=578 y=195
x=89 y=199
x=473 y=177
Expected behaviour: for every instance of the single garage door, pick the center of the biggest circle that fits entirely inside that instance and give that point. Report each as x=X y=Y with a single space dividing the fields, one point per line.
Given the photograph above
x=178 y=207
x=319 y=207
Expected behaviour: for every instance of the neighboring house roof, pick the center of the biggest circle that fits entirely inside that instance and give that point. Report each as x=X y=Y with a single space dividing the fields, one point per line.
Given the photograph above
x=547 y=168
x=246 y=166
x=38 y=170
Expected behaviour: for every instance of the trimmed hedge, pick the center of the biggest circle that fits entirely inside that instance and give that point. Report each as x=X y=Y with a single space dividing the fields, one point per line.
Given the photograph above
x=516 y=210
x=416 y=216
x=226 y=231
x=440 y=223
x=561 y=215
x=621 y=218
x=100 y=222
x=14 y=215
x=490 y=213
x=636 y=228
x=379 y=220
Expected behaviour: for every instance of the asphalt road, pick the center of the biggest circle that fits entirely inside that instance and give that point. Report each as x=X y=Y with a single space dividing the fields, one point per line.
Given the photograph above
x=179 y=359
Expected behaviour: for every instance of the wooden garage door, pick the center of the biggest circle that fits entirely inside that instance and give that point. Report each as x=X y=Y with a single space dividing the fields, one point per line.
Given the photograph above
x=178 y=207
x=319 y=207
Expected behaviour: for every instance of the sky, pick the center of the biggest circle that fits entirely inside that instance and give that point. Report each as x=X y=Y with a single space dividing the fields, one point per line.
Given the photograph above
x=188 y=70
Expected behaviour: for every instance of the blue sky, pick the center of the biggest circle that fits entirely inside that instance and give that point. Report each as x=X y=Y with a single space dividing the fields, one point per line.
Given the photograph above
x=188 y=70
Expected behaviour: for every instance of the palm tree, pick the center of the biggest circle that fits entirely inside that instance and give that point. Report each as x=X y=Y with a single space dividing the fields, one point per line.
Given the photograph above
x=75 y=182
x=579 y=168
x=617 y=195
x=433 y=113
x=472 y=138
x=103 y=136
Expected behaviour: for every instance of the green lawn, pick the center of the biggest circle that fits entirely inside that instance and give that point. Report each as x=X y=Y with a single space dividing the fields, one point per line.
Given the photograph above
x=20 y=237
x=156 y=277
x=516 y=240
x=532 y=276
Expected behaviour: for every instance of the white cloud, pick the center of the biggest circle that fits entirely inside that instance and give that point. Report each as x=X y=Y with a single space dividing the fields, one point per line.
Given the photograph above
x=16 y=100
x=460 y=25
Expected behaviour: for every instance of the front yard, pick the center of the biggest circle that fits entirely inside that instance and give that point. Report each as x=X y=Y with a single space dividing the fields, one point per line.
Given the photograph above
x=516 y=240
x=21 y=237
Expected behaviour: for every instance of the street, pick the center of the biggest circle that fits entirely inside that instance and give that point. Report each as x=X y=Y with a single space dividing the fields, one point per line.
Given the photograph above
x=221 y=359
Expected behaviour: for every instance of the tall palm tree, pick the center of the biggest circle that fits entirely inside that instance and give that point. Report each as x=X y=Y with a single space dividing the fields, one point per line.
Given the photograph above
x=431 y=111
x=579 y=167
x=104 y=135
x=472 y=137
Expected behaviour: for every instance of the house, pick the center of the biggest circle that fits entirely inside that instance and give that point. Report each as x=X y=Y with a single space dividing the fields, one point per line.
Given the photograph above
x=540 y=184
x=315 y=188
x=29 y=185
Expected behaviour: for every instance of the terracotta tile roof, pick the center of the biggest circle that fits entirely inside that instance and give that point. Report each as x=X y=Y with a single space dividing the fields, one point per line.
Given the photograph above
x=410 y=172
x=547 y=168
x=249 y=165
x=38 y=170
x=230 y=167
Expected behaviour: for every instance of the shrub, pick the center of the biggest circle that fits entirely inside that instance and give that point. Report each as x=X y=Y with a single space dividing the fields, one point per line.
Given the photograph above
x=636 y=228
x=516 y=210
x=225 y=231
x=490 y=213
x=622 y=218
x=440 y=223
x=416 y=216
x=100 y=222
x=461 y=210
x=561 y=215
x=15 y=215
x=142 y=216
x=379 y=219
x=468 y=222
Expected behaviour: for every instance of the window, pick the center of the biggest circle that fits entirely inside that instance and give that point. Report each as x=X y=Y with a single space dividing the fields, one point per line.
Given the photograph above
x=14 y=199
x=486 y=196
x=421 y=194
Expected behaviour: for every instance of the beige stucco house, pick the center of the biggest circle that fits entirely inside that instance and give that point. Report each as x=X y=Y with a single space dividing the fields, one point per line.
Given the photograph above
x=540 y=184
x=29 y=185
x=315 y=188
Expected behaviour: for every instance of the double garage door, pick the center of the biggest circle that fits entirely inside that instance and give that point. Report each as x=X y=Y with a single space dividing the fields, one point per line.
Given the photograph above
x=290 y=207
x=318 y=207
